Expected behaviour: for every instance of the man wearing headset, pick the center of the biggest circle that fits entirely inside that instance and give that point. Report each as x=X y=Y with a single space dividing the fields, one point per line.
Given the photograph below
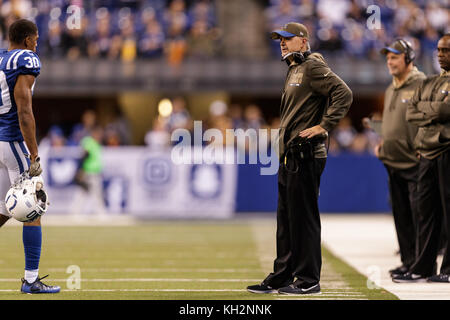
x=429 y=109
x=397 y=151
x=314 y=99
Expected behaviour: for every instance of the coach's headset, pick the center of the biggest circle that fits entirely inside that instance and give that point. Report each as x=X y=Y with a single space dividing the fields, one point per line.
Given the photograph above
x=410 y=55
x=298 y=56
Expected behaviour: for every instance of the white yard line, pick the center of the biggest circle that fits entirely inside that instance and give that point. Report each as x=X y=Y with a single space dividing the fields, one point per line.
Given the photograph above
x=144 y=290
x=264 y=233
x=290 y=297
x=147 y=280
x=368 y=243
x=145 y=270
x=82 y=220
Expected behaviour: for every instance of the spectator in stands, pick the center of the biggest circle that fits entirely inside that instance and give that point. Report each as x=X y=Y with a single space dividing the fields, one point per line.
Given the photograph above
x=200 y=41
x=202 y=10
x=176 y=24
x=180 y=117
x=53 y=45
x=128 y=40
x=430 y=40
x=373 y=139
x=333 y=10
x=151 y=43
x=235 y=113
x=54 y=138
x=253 y=117
x=355 y=43
x=75 y=42
x=118 y=128
x=83 y=129
x=344 y=134
x=223 y=123
x=101 y=41
x=176 y=19
x=158 y=138
x=437 y=15
x=111 y=138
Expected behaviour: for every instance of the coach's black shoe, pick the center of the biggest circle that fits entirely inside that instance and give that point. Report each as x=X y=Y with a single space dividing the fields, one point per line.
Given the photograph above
x=442 y=278
x=398 y=271
x=300 y=289
x=262 y=288
x=409 y=278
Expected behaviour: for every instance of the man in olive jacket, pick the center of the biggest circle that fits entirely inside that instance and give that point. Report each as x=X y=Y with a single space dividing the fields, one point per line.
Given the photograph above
x=397 y=148
x=314 y=99
x=430 y=111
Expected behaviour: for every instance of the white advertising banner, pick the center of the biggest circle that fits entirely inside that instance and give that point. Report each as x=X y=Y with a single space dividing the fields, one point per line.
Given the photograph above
x=142 y=182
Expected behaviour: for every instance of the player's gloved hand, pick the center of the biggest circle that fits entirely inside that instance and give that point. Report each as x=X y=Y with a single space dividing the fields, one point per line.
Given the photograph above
x=35 y=168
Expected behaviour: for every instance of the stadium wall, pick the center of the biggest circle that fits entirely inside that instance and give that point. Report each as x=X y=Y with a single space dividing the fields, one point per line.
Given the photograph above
x=148 y=184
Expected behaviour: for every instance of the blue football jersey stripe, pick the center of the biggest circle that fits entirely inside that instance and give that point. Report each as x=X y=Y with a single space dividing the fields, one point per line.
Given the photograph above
x=25 y=151
x=16 y=155
x=16 y=59
x=8 y=65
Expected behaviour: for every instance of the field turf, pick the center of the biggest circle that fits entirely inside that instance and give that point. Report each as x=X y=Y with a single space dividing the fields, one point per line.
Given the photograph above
x=165 y=261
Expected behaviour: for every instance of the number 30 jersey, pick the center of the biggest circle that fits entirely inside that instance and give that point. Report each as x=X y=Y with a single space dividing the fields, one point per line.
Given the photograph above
x=12 y=64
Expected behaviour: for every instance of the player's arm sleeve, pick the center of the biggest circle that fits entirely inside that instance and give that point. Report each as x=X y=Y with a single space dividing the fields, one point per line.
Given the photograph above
x=419 y=112
x=327 y=83
x=29 y=64
x=434 y=111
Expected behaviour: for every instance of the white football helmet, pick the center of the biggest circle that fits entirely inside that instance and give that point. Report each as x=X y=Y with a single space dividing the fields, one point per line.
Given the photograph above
x=27 y=200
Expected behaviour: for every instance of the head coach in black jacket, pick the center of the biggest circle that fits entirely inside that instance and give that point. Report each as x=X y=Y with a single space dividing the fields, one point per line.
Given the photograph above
x=314 y=99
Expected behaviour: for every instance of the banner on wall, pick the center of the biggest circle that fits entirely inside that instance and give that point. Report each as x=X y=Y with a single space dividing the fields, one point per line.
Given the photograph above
x=144 y=183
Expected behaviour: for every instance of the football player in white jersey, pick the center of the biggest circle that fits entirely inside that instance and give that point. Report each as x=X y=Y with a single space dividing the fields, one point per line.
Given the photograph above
x=19 y=67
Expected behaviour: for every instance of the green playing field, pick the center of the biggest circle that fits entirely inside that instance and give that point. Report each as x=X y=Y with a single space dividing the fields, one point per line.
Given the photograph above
x=164 y=261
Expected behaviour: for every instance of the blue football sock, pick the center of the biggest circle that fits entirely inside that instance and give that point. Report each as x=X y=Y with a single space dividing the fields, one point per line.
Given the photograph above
x=32 y=242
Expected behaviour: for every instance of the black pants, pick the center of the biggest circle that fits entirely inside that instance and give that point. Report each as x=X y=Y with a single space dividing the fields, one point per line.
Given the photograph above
x=298 y=226
x=403 y=192
x=434 y=213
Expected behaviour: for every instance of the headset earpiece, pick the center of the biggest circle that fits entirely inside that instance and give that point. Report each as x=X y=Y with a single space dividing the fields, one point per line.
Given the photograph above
x=410 y=55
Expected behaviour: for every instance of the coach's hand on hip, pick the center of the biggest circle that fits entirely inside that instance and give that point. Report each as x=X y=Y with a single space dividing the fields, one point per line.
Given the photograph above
x=312 y=132
x=35 y=167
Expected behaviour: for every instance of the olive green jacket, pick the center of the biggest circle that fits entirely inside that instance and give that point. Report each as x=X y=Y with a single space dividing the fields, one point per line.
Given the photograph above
x=313 y=95
x=430 y=111
x=398 y=134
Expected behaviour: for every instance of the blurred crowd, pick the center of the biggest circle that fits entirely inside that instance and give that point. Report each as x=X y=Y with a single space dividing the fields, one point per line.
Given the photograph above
x=344 y=139
x=338 y=26
x=115 y=130
x=118 y=29
x=174 y=29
